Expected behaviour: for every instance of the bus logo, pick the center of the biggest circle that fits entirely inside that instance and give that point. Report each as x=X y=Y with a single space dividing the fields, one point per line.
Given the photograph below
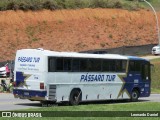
x=97 y=78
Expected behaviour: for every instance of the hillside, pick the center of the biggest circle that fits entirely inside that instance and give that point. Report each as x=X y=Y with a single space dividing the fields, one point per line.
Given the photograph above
x=74 y=30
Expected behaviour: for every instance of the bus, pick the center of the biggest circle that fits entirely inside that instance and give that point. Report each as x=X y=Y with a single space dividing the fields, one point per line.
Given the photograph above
x=44 y=75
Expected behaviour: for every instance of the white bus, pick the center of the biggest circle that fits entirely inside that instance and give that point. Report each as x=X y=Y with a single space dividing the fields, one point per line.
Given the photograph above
x=43 y=75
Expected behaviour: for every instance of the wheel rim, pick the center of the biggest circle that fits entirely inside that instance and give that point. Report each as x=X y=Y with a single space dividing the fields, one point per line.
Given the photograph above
x=75 y=96
x=134 y=95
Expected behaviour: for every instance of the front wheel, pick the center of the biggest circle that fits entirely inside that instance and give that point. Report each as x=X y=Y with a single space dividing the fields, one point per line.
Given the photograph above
x=134 y=96
x=75 y=97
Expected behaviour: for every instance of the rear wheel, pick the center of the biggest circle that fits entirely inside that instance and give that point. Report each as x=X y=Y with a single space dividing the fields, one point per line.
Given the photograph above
x=134 y=96
x=75 y=97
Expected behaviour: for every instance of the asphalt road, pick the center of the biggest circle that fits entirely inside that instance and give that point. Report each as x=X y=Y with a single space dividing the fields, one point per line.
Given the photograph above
x=8 y=102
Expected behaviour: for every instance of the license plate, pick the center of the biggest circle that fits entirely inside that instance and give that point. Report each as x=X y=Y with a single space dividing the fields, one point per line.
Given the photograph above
x=26 y=93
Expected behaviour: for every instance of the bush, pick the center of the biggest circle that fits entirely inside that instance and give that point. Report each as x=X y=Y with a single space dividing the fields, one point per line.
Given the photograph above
x=24 y=6
x=12 y=6
x=61 y=4
x=118 y=4
x=67 y=4
x=50 y=5
x=99 y=4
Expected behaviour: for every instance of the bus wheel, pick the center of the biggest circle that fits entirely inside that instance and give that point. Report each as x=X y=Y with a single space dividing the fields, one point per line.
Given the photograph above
x=75 y=97
x=134 y=96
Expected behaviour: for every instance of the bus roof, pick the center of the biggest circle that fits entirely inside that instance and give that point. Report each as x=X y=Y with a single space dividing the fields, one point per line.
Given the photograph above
x=136 y=58
x=81 y=55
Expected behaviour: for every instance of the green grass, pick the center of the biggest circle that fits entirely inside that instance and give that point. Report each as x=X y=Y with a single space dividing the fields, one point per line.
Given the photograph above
x=155 y=4
x=155 y=91
x=155 y=76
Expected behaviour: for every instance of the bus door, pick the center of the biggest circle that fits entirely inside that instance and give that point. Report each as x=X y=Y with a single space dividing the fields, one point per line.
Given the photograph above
x=146 y=78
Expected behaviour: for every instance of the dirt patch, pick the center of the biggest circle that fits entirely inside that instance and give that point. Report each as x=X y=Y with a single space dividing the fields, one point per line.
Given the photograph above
x=75 y=30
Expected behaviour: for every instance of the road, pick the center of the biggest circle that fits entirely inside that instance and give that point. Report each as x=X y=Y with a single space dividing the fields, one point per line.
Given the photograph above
x=8 y=102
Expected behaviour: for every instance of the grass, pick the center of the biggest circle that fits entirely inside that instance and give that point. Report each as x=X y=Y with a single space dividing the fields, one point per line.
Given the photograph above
x=155 y=4
x=155 y=83
x=155 y=91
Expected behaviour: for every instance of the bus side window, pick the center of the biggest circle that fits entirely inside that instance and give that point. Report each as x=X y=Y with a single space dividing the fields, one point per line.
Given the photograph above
x=94 y=65
x=138 y=65
x=108 y=66
x=75 y=65
x=112 y=64
x=51 y=64
x=118 y=65
x=67 y=64
x=121 y=65
x=59 y=64
x=131 y=66
x=124 y=65
x=83 y=65
x=105 y=66
x=135 y=66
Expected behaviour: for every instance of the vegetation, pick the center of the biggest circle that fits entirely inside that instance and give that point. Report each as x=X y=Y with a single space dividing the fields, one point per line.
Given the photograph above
x=67 y=4
x=155 y=4
x=155 y=83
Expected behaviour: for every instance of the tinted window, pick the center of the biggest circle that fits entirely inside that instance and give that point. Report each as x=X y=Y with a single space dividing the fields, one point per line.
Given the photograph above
x=87 y=65
x=121 y=65
x=124 y=65
x=83 y=65
x=75 y=64
x=114 y=65
x=94 y=65
x=51 y=64
x=118 y=65
x=59 y=64
x=135 y=66
x=138 y=65
x=108 y=65
x=131 y=66
x=67 y=64
x=145 y=71
x=105 y=65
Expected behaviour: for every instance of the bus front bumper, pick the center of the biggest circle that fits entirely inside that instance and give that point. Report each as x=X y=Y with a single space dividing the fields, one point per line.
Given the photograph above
x=35 y=95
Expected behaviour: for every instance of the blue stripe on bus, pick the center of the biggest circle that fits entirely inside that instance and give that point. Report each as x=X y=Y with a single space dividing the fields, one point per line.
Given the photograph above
x=32 y=93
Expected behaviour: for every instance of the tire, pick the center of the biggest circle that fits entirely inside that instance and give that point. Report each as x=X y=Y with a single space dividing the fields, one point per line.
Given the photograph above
x=75 y=97
x=134 y=96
